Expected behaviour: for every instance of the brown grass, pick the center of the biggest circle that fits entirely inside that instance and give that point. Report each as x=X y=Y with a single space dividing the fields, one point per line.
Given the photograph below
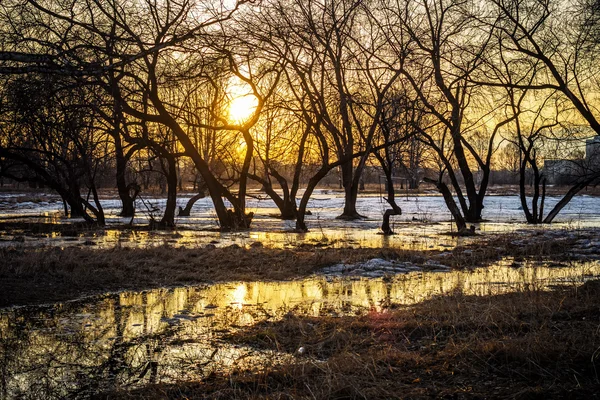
x=521 y=345
x=52 y=274
x=33 y=276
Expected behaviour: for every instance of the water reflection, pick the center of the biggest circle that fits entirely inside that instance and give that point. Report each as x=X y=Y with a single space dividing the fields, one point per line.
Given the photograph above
x=123 y=340
x=416 y=238
x=419 y=227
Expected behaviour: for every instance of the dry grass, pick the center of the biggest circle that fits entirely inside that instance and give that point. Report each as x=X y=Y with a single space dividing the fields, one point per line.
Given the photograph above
x=532 y=246
x=521 y=345
x=46 y=275
x=32 y=276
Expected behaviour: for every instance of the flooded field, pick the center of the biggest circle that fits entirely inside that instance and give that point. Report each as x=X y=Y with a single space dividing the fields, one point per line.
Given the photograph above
x=129 y=339
x=425 y=218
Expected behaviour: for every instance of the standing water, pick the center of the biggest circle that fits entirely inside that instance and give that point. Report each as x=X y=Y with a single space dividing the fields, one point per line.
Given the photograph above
x=125 y=340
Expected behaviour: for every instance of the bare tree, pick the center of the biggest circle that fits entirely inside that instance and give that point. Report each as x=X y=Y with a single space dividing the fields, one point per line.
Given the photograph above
x=397 y=130
x=445 y=45
x=48 y=132
x=283 y=147
x=338 y=77
x=549 y=47
x=147 y=41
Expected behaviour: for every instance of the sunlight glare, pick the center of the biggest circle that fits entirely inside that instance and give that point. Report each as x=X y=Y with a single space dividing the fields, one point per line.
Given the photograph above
x=239 y=296
x=242 y=108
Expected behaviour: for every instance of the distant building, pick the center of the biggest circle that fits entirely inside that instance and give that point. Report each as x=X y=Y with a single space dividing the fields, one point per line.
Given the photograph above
x=592 y=151
x=564 y=172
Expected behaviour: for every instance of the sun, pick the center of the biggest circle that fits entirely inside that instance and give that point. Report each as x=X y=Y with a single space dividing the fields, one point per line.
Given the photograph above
x=242 y=108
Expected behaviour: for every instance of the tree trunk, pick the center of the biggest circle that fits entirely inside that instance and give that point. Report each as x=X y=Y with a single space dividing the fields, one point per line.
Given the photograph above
x=77 y=210
x=523 y=194
x=73 y=199
x=287 y=204
x=168 y=219
x=350 y=197
x=228 y=219
x=413 y=183
x=99 y=212
x=127 y=201
x=536 y=191
x=565 y=200
x=385 y=226
x=185 y=212
x=461 y=224
x=350 y=193
x=300 y=224
x=391 y=199
x=542 y=201
x=312 y=183
x=241 y=197
x=474 y=214
x=289 y=210
x=127 y=196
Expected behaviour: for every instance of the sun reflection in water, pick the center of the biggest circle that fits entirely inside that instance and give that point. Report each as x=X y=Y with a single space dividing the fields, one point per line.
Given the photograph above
x=239 y=296
x=179 y=334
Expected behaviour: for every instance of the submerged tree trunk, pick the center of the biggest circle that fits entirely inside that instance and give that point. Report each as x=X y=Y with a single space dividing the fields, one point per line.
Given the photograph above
x=350 y=192
x=312 y=184
x=289 y=209
x=350 y=197
x=76 y=209
x=124 y=190
x=76 y=206
x=413 y=183
x=168 y=219
x=523 y=194
x=385 y=226
x=542 y=200
x=99 y=211
x=185 y=211
x=568 y=196
x=300 y=224
x=474 y=213
x=287 y=203
x=461 y=224
x=128 y=204
x=391 y=199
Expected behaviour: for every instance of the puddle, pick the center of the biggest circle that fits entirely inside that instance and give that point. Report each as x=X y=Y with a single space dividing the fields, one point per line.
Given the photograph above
x=125 y=340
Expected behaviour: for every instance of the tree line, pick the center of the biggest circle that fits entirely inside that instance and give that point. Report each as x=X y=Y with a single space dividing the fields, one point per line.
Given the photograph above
x=96 y=87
